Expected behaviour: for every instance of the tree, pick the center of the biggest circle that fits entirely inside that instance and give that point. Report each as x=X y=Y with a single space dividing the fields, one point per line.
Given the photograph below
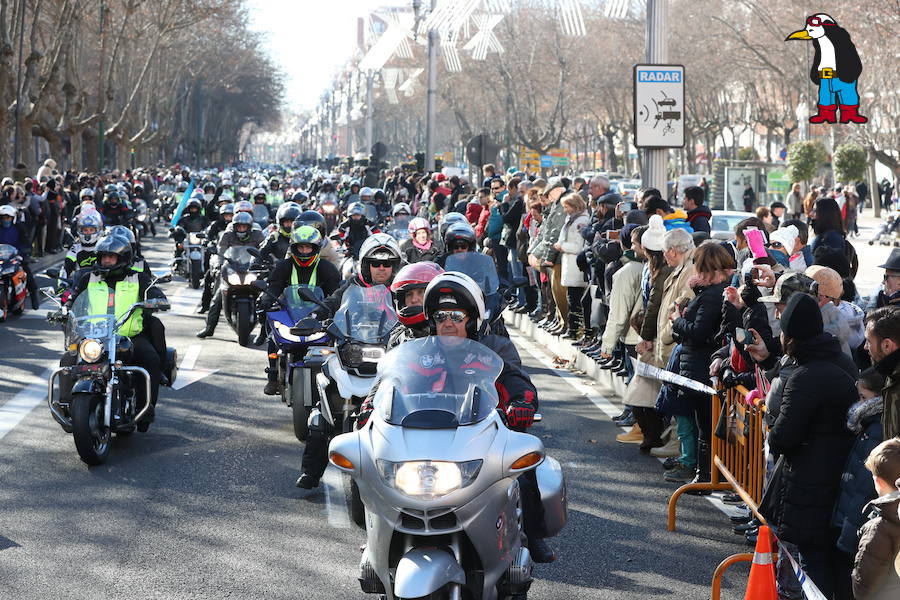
x=849 y=162
x=804 y=160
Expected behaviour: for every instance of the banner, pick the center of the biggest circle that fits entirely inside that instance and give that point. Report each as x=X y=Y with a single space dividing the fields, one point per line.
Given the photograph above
x=182 y=203
x=809 y=588
x=651 y=372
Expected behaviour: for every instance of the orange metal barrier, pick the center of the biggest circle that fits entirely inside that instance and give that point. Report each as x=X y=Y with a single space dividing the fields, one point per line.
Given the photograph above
x=739 y=460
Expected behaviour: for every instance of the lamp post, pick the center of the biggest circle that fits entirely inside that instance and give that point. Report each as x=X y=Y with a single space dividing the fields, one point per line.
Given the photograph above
x=432 y=85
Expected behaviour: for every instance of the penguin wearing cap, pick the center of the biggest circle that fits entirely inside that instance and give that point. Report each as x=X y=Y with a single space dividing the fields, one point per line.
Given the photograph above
x=835 y=69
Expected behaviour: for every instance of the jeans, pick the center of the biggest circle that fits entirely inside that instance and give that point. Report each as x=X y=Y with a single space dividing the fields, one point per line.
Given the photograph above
x=687 y=435
x=834 y=91
x=516 y=270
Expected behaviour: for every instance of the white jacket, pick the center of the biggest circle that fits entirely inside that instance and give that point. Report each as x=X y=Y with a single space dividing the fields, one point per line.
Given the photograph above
x=624 y=296
x=572 y=243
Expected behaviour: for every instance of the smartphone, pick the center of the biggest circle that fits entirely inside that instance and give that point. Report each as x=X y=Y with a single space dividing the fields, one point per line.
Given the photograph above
x=742 y=336
x=612 y=234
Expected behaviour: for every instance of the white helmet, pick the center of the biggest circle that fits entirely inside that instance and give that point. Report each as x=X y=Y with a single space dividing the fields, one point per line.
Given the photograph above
x=401 y=207
x=378 y=246
x=86 y=193
x=452 y=289
x=8 y=211
x=90 y=219
x=366 y=191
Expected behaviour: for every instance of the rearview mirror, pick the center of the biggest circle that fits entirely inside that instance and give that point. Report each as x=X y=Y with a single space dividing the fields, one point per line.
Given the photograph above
x=260 y=284
x=164 y=278
x=54 y=273
x=254 y=252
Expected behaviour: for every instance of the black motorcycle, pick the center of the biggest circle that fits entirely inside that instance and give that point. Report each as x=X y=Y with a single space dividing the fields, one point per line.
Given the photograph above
x=239 y=295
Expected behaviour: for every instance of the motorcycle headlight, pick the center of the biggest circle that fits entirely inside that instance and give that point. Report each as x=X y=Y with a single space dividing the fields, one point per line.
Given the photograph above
x=285 y=332
x=427 y=479
x=249 y=277
x=234 y=279
x=90 y=350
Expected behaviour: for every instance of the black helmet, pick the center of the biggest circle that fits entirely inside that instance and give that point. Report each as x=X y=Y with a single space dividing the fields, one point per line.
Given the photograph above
x=113 y=196
x=448 y=220
x=455 y=290
x=312 y=218
x=114 y=244
x=209 y=185
x=288 y=211
x=110 y=187
x=193 y=203
x=242 y=218
x=458 y=234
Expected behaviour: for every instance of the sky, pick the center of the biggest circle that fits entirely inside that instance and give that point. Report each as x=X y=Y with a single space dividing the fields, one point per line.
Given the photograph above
x=310 y=40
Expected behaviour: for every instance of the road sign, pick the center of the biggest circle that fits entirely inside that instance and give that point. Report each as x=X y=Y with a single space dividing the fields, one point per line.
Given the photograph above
x=659 y=106
x=546 y=160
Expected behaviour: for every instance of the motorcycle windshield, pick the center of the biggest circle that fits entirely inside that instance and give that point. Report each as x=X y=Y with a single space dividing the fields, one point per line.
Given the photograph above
x=239 y=255
x=371 y=212
x=438 y=382
x=298 y=306
x=479 y=267
x=260 y=214
x=85 y=322
x=7 y=252
x=399 y=228
x=366 y=314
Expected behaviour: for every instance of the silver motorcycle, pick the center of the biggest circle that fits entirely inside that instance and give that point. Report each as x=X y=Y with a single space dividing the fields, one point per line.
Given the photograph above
x=437 y=471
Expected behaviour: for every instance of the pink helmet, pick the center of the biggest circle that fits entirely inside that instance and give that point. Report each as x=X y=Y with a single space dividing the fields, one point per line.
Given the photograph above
x=417 y=224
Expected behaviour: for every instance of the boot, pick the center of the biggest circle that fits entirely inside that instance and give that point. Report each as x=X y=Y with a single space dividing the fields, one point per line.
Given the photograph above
x=540 y=551
x=827 y=114
x=703 y=466
x=849 y=114
x=635 y=436
x=672 y=448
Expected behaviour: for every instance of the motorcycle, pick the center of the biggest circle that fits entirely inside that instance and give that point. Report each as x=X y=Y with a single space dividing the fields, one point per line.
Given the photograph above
x=298 y=360
x=142 y=219
x=103 y=398
x=332 y=215
x=238 y=293
x=13 y=282
x=437 y=472
x=497 y=294
x=189 y=264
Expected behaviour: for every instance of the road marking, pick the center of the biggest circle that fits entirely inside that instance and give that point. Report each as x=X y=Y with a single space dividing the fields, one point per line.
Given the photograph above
x=187 y=373
x=12 y=413
x=184 y=301
x=335 y=500
x=603 y=404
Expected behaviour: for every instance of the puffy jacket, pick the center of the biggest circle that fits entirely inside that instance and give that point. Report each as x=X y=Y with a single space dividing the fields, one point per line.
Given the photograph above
x=274 y=248
x=857 y=488
x=696 y=332
x=811 y=433
x=700 y=218
x=572 y=243
x=876 y=570
x=677 y=219
x=412 y=254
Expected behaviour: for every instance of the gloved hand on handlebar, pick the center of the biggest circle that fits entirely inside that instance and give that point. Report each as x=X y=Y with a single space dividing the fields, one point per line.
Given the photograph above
x=520 y=413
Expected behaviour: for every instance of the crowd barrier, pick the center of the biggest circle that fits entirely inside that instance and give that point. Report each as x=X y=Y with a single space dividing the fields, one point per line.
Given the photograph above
x=737 y=462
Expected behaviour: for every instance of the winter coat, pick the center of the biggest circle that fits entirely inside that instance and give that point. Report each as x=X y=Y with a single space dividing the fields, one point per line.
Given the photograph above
x=624 y=296
x=675 y=289
x=572 y=243
x=700 y=218
x=876 y=570
x=473 y=211
x=890 y=368
x=554 y=217
x=857 y=488
x=811 y=433
x=696 y=332
x=794 y=202
x=413 y=254
x=832 y=239
x=651 y=311
x=512 y=216
x=494 y=229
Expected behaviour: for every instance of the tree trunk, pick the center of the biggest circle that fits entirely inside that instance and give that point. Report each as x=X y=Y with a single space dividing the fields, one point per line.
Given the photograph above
x=76 y=142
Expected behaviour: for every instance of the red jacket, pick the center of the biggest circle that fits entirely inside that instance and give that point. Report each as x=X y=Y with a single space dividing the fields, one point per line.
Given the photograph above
x=473 y=211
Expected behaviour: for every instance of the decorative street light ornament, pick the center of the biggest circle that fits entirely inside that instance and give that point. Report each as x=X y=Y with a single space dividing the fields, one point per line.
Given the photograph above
x=485 y=39
x=451 y=56
x=395 y=39
x=409 y=86
x=389 y=78
x=449 y=16
x=570 y=17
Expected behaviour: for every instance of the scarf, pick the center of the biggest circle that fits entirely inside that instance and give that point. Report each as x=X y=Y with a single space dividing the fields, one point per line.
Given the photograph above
x=423 y=247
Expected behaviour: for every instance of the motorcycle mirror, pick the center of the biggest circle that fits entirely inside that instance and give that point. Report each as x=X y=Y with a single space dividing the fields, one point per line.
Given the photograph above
x=254 y=252
x=48 y=291
x=260 y=285
x=54 y=273
x=201 y=234
x=164 y=278
x=335 y=236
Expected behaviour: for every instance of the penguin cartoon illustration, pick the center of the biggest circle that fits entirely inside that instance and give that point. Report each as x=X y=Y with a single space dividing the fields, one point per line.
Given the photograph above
x=835 y=69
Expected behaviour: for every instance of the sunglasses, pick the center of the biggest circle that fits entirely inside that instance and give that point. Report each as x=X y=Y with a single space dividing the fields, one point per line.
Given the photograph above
x=381 y=264
x=457 y=316
x=775 y=245
x=816 y=22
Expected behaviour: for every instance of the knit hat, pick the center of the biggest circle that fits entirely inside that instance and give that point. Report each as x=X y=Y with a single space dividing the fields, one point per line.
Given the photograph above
x=801 y=319
x=786 y=236
x=653 y=237
x=828 y=282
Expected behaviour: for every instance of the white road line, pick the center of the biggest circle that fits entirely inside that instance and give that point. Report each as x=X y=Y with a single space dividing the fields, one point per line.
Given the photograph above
x=12 y=413
x=185 y=301
x=190 y=357
x=600 y=402
x=187 y=371
x=335 y=500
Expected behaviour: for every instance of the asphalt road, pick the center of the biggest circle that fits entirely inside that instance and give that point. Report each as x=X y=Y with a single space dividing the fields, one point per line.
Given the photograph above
x=203 y=505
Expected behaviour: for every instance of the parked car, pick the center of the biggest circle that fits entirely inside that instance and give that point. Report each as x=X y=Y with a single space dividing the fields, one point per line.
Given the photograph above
x=724 y=222
x=627 y=188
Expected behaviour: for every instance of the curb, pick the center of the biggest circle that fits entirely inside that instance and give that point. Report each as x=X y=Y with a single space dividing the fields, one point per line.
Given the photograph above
x=612 y=386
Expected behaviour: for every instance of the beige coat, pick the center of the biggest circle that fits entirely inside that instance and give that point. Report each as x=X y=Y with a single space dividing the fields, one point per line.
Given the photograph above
x=623 y=298
x=675 y=289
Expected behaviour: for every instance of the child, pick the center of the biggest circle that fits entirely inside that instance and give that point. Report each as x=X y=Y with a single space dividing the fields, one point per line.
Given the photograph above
x=874 y=575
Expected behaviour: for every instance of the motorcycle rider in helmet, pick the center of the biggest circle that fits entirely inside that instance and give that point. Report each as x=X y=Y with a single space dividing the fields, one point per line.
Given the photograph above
x=379 y=262
x=192 y=221
x=112 y=275
x=83 y=252
x=260 y=198
x=351 y=196
x=216 y=228
x=239 y=233
x=356 y=228
x=303 y=266
x=454 y=306
x=277 y=244
x=114 y=210
x=420 y=246
x=408 y=289
x=460 y=237
x=14 y=234
x=315 y=219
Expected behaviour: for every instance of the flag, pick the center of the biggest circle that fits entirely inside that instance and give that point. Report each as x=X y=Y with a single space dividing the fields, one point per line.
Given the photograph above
x=187 y=195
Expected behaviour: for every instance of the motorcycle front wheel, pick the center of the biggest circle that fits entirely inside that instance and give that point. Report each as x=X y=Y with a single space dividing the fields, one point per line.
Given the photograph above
x=244 y=323
x=299 y=410
x=91 y=437
x=196 y=273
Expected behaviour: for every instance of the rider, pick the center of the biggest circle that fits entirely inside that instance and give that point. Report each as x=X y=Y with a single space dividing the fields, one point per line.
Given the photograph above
x=379 y=260
x=276 y=245
x=13 y=234
x=303 y=267
x=113 y=209
x=192 y=221
x=240 y=233
x=217 y=227
x=112 y=281
x=460 y=237
x=454 y=306
x=356 y=228
x=260 y=198
x=420 y=246
x=352 y=194
x=408 y=289
x=315 y=219
x=83 y=252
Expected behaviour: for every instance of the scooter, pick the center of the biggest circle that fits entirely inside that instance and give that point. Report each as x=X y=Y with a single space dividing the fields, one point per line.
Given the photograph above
x=437 y=471
x=13 y=282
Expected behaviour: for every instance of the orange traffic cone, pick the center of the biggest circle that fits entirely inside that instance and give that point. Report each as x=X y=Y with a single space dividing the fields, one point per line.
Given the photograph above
x=761 y=584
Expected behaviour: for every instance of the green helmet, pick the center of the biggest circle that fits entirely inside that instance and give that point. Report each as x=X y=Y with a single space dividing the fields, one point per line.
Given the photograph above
x=306 y=235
